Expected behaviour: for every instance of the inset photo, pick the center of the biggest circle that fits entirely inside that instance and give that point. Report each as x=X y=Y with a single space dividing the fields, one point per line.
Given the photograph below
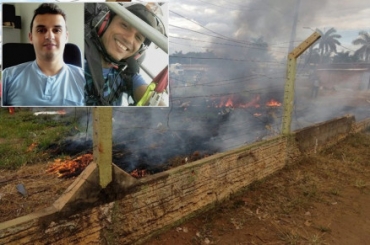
x=126 y=54
x=42 y=60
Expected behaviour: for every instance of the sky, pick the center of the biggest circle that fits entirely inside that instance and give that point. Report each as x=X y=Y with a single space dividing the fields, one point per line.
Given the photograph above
x=196 y=25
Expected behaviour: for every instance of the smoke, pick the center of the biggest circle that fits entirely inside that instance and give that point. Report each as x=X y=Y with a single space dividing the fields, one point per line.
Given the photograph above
x=273 y=19
x=330 y=103
x=198 y=121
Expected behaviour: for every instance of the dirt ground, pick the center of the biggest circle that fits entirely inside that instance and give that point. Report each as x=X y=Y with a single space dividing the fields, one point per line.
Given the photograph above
x=323 y=199
x=41 y=189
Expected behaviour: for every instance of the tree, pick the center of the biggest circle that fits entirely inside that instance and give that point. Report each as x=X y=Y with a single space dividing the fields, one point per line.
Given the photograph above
x=364 y=40
x=328 y=42
x=176 y=57
x=343 y=57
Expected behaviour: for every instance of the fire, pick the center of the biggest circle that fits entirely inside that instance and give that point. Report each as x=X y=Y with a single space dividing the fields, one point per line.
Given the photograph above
x=138 y=173
x=225 y=101
x=229 y=103
x=273 y=103
x=70 y=168
x=236 y=102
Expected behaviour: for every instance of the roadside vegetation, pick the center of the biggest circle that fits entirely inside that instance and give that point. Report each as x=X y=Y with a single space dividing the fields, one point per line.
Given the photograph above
x=25 y=137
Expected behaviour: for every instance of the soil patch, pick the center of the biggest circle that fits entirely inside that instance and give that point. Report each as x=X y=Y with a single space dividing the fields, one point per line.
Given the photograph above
x=41 y=188
x=323 y=199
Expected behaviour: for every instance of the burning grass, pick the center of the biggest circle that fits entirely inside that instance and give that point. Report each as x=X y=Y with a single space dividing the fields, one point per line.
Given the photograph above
x=173 y=162
x=24 y=136
x=70 y=167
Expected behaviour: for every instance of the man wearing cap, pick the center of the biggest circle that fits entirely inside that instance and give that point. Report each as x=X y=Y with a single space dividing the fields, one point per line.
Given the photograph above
x=114 y=46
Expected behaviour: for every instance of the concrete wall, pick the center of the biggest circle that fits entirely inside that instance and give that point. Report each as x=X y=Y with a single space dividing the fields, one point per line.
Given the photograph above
x=130 y=211
x=313 y=138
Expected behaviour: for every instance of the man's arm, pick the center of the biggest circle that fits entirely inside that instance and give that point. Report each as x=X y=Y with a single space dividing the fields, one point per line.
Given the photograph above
x=140 y=87
x=140 y=91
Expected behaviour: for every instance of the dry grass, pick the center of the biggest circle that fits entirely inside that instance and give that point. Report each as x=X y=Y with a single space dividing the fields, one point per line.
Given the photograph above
x=294 y=206
x=42 y=189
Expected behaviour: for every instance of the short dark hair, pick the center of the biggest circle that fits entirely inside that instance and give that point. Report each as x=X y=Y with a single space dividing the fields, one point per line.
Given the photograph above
x=47 y=8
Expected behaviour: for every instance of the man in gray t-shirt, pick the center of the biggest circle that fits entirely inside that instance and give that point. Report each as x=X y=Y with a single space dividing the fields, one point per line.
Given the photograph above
x=47 y=81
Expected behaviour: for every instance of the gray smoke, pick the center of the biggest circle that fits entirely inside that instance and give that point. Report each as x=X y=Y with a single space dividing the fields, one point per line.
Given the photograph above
x=194 y=122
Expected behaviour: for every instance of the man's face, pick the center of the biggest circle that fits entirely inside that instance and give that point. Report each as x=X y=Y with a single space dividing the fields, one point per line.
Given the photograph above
x=49 y=36
x=121 y=40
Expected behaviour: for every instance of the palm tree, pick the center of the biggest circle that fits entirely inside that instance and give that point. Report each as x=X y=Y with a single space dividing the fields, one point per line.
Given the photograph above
x=364 y=50
x=328 y=42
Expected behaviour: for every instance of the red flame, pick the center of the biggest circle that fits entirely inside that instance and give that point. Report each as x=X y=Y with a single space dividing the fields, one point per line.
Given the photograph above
x=137 y=173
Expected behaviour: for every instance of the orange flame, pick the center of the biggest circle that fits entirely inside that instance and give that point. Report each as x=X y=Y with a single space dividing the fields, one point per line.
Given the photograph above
x=273 y=103
x=231 y=101
x=70 y=168
x=225 y=102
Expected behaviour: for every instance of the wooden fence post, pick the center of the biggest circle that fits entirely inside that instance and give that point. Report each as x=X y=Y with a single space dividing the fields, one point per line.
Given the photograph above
x=290 y=81
x=102 y=143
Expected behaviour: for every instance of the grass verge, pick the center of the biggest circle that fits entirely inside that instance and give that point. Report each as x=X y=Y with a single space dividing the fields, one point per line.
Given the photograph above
x=24 y=137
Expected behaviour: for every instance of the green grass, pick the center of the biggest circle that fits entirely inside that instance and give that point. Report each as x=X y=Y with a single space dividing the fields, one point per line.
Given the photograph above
x=20 y=130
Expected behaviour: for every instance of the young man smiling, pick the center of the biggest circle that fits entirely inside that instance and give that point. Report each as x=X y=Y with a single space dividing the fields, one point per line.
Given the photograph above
x=47 y=81
x=113 y=45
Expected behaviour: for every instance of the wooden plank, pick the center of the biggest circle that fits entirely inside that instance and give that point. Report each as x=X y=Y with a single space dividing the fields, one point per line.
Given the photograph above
x=304 y=45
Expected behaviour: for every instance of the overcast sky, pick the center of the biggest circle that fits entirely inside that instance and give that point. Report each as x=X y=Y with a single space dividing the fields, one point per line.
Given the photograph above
x=197 y=25
x=270 y=19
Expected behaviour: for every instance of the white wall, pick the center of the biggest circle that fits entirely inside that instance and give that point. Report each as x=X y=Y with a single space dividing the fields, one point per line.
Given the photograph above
x=75 y=20
x=156 y=59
